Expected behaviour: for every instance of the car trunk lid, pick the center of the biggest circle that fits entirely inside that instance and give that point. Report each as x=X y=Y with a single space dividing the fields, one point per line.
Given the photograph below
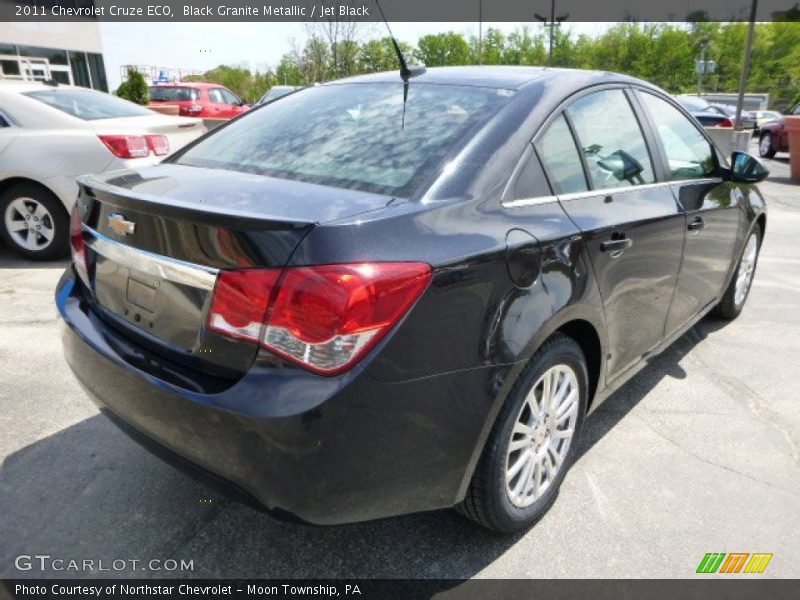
x=156 y=238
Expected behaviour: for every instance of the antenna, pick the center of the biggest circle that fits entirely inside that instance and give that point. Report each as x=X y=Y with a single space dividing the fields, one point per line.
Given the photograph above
x=406 y=72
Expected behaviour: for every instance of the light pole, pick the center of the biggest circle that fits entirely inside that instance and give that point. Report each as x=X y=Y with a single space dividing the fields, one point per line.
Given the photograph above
x=554 y=22
x=701 y=66
x=748 y=50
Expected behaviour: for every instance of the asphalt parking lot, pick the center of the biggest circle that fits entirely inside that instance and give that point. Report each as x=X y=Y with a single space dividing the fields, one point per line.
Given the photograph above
x=698 y=453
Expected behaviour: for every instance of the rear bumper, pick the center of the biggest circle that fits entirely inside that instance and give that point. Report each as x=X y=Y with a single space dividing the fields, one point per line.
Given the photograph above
x=327 y=450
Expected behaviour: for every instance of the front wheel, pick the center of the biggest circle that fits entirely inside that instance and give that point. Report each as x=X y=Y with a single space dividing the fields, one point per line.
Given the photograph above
x=736 y=294
x=533 y=442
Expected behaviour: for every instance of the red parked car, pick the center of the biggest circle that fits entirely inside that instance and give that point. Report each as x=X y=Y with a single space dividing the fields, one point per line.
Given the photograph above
x=205 y=100
x=773 y=136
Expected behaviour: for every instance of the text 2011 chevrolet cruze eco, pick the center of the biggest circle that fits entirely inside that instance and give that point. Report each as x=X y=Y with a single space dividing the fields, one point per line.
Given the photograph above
x=370 y=298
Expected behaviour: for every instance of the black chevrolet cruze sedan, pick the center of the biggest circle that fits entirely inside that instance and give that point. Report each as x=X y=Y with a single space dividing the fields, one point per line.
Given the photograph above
x=362 y=300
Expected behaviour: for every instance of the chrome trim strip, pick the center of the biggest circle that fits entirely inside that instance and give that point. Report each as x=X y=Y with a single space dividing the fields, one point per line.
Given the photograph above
x=530 y=201
x=607 y=192
x=170 y=269
x=635 y=188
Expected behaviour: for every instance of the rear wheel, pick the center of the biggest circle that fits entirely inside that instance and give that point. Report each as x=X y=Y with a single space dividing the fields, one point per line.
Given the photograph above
x=34 y=222
x=765 y=147
x=736 y=294
x=534 y=440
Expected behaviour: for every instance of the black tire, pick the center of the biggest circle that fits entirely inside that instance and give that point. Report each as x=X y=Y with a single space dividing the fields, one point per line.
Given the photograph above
x=487 y=501
x=766 y=147
x=57 y=218
x=728 y=308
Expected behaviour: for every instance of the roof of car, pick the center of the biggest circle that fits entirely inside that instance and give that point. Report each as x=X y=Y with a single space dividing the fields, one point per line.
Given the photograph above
x=197 y=84
x=508 y=77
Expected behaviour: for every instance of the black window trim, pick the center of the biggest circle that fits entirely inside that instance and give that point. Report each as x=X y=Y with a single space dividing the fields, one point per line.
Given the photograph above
x=11 y=123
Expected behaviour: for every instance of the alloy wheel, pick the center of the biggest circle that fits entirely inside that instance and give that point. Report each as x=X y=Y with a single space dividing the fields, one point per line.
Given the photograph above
x=29 y=224
x=542 y=435
x=747 y=266
x=765 y=145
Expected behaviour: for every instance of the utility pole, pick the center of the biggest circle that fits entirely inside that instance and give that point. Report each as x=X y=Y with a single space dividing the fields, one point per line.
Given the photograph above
x=701 y=66
x=480 y=32
x=748 y=51
x=554 y=22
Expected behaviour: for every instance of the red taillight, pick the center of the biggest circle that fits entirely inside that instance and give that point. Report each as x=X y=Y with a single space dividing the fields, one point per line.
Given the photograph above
x=77 y=243
x=126 y=146
x=323 y=318
x=725 y=123
x=240 y=302
x=159 y=144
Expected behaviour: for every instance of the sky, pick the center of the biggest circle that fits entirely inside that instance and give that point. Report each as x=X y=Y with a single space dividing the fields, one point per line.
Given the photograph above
x=202 y=46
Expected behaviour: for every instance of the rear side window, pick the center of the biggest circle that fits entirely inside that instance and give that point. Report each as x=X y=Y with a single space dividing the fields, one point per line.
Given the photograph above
x=173 y=94
x=689 y=155
x=556 y=147
x=88 y=105
x=611 y=140
x=352 y=135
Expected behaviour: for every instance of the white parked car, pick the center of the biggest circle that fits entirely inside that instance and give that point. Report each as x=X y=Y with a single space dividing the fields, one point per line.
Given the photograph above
x=49 y=134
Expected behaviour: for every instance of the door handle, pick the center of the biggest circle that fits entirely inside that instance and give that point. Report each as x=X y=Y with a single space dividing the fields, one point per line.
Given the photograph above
x=616 y=246
x=697 y=224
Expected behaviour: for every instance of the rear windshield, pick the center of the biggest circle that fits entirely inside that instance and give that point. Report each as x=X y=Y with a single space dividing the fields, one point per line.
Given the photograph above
x=88 y=105
x=353 y=135
x=173 y=94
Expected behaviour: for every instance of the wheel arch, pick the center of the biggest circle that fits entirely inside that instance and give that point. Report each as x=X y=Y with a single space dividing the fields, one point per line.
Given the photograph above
x=9 y=182
x=582 y=323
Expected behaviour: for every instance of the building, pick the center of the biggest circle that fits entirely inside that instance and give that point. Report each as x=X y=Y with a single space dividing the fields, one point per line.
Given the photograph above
x=68 y=52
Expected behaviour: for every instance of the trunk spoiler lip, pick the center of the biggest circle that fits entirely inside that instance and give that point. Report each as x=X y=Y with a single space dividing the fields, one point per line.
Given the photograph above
x=178 y=209
x=223 y=217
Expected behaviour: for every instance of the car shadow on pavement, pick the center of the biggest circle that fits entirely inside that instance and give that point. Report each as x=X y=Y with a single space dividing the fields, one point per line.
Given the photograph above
x=11 y=260
x=665 y=364
x=88 y=491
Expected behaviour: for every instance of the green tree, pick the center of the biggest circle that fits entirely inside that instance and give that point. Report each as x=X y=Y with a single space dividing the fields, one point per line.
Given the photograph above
x=134 y=88
x=443 y=49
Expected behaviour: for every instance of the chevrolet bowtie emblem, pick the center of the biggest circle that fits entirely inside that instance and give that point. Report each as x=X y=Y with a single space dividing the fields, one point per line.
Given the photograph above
x=120 y=226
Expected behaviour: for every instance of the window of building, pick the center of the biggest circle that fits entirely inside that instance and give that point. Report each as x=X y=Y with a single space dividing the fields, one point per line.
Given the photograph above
x=80 y=70
x=97 y=70
x=53 y=55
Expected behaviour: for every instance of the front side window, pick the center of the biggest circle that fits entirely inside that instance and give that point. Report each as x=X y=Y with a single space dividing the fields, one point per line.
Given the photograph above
x=87 y=104
x=556 y=147
x=215 y=95
x=229 y=97
x=356 y=136
x=611 y=140
x=688 y=153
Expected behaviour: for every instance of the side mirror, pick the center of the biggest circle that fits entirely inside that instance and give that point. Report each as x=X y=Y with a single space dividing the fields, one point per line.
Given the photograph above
x=747 y=169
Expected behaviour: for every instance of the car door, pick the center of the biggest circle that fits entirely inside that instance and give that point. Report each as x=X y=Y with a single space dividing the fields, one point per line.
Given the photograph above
x=599 y=164
x=712 y=208
x=218 y=106
x=235 y=104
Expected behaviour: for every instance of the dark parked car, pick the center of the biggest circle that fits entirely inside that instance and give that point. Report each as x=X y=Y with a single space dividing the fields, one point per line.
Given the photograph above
x=773 y=137
x=354 y=306
x=277 y=91
x=748 y=122
x=705 y=113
